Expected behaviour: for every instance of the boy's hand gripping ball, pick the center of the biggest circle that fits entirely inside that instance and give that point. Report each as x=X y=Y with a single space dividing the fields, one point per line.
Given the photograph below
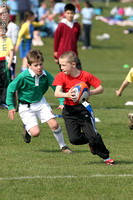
x=81 y=92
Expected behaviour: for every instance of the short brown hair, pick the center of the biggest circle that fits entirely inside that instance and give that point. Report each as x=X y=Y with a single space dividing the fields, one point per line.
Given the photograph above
x=70 y=55
x=34 y=55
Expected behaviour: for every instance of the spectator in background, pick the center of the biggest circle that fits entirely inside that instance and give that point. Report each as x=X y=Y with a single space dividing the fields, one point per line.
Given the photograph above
x=50 y=25
x=87 y=14
x=43 y=12
x=36 y=41
x=12 y=32
x=12 y=28
x=13 y=7
x=58 y=9
x=77 y=5
x=23 y=5
x=6 y=49
x=34 y=8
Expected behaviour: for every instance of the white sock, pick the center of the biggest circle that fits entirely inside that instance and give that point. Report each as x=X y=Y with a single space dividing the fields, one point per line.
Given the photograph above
x=59 y=137
x=107 y=159
x=29 y=133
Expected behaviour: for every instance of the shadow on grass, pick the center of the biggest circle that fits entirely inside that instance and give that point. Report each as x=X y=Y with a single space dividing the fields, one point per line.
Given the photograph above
x=58 y=151
x=117 y=162
x=106 y=47
x=112 y=108
x=121 y=162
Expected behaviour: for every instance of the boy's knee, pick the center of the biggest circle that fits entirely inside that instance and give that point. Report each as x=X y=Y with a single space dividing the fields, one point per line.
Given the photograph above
x=35 y=132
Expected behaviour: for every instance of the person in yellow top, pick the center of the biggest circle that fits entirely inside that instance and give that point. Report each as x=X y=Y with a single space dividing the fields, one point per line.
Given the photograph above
x=6 y=49
x=126 y=82
x=25 y=36
x=128 y=79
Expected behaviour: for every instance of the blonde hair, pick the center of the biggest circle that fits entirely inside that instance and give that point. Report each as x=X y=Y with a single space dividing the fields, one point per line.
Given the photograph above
x=71 y=57
x=34 y=55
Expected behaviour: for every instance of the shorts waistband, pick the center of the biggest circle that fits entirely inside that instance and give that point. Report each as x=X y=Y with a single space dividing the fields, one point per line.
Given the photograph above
x=24 y=102
x=2 y=58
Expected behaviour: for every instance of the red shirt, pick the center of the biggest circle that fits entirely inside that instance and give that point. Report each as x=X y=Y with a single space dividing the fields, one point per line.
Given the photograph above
x=65 y=38
x=68 y=82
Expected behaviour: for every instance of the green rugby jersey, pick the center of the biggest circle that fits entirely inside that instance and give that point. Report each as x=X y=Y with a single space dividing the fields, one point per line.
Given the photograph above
x=30 y=87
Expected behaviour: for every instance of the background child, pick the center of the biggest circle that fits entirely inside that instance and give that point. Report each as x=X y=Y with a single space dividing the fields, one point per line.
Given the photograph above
x=25 y=36
x=13 y=6
x=31 y=85
x=128 y=79
x=66 y=34
x=6 y=49
x=126 y=82
x=87 y=14
x=76 y=116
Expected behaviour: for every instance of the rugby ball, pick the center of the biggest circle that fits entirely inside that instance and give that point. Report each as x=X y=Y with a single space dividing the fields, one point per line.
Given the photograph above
x=81 y=90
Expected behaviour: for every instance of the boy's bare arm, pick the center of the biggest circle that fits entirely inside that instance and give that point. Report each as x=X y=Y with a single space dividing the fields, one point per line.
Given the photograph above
x=122 y=87
x=97 y=90
x=60 y=94
x=10 y=58
x=11 y=114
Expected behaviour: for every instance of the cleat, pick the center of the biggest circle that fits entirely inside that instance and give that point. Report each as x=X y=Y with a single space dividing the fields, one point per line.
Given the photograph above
x=110 y=162
x=66 y=150
x=26 y=136
x=130 y=116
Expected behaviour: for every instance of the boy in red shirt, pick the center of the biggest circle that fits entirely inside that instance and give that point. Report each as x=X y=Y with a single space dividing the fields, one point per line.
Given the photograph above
x=66 y=34
x=79 y=122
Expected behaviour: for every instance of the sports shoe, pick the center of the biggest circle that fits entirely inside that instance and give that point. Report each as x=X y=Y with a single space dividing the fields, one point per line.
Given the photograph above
x=83 y=47
x=89 y=47
x=130 y=116
x=110 y=162
x=66 y=150
x=26 y=136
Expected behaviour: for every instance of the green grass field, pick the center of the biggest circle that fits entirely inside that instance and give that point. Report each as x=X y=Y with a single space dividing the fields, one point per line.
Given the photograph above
x=39 y=171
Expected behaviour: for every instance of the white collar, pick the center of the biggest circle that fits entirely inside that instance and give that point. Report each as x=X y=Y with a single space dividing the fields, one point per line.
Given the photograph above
x=33 y=74
x=70 y=24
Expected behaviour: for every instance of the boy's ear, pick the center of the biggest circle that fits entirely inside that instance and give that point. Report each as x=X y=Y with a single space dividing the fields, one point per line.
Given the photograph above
x=74 y=64
x=28 y=65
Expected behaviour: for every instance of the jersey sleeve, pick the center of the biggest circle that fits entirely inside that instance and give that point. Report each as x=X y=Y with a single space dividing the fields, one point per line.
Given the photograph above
x=57 y=36
x=12 y=32
x=58 y=80
x=13 y=86
x=129 y=76
x=93 y=81
x=37 y=24
x=50 y=81
x=21 y=33
x=15 y=34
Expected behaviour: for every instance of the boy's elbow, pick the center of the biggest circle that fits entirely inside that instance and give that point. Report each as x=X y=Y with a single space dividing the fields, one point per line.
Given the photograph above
x=102 y=90
x=55 y=94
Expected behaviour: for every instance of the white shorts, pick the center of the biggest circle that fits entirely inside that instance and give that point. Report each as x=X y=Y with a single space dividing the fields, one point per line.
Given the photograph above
x=41 y=109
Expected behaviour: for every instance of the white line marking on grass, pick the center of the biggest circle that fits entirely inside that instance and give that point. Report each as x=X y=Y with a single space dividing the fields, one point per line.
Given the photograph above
x=68 y=176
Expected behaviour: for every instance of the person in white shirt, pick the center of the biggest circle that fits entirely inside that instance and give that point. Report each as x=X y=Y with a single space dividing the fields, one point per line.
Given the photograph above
x=87 y=14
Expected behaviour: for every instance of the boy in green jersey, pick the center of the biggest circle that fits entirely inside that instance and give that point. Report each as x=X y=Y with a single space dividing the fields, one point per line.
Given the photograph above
x=31 y=85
